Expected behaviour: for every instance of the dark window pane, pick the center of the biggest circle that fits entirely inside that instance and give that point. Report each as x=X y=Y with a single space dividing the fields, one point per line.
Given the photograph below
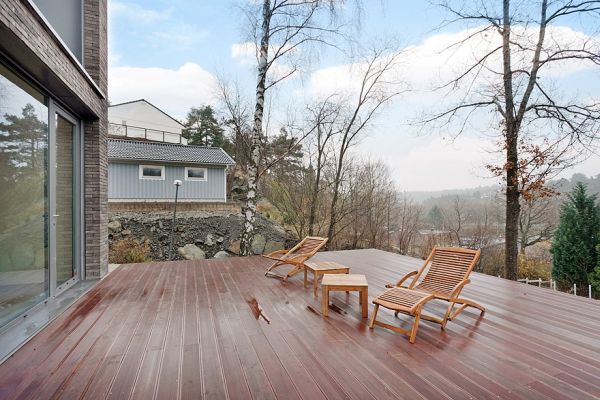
x=153 y=172
x=197 y=173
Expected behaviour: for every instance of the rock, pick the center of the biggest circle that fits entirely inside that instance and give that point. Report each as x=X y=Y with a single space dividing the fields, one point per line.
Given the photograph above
x=114 y=226
x=191 y=252
x=152 y=229
x=234 y=247
x=258 y=244
x=221 y=254
x=273 y=246
x=126 y=232
x=160 y=224
x=220 y=239
x=210 y=241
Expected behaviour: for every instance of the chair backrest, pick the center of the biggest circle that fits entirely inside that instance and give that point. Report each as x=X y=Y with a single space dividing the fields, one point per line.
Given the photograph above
x=307 y=246
x=448 y=267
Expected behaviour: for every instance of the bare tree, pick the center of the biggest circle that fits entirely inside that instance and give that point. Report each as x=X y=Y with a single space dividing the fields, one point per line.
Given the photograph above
x=541 y=130
x=325 y=122
x=409 y=215
x=376 y=88
x=536 y=222
x=455 y=218
x=279 y=29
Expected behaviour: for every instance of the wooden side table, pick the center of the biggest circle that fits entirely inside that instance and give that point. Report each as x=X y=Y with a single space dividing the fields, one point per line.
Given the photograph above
x=320 y=268
x=346 y=283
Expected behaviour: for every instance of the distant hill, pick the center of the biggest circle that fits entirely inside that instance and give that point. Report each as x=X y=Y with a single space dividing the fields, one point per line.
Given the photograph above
x=562 y=186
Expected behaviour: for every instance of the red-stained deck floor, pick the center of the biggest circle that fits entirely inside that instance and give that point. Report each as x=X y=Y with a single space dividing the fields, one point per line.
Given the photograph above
x=186 y=330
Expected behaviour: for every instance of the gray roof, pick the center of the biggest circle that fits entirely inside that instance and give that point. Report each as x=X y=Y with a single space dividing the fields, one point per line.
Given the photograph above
x=155 y=151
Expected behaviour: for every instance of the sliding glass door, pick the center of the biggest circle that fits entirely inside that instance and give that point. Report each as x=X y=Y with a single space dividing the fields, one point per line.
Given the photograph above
x=40 y=240
x=64 y=138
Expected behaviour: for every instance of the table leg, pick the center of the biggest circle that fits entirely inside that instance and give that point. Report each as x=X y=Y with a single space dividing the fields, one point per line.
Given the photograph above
x=325 y=301
x=315 y=283
x=305 y=278
x=364 y=294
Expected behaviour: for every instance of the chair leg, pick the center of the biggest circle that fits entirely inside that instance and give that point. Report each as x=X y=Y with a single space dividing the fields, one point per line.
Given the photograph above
x=447 y=315
x=373 y=316
x=415 y=326
x=465 y=303
x=273 y=266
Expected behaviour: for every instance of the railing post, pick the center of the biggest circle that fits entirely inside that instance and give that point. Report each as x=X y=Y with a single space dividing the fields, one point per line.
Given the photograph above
x=163 y=132
x=527 y=281
x=575 y=289
x=126 y=135
x=590 y=291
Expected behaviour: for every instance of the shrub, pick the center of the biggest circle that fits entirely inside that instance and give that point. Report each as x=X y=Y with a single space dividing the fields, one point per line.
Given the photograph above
x=534 y=268
x=129 y=251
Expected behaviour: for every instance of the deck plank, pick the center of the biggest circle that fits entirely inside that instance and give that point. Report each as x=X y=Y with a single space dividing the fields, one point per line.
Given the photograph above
x=186 y=330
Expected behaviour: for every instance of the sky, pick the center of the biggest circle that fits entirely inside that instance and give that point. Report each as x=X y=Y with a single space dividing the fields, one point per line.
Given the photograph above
x=171 y=52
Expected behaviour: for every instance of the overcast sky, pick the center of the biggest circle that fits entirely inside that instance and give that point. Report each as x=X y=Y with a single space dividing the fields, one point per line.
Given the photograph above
x=170 y=52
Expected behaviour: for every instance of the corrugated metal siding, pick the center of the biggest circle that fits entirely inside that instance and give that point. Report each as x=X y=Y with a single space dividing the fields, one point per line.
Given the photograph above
x=124 y=183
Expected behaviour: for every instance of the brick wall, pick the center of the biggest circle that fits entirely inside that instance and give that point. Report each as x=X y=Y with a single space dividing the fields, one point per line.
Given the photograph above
x=95 y=160
x=52 y=66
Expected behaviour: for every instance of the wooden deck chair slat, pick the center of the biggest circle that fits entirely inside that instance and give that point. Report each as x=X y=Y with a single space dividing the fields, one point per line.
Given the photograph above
x=446 y=271
x=296 y=256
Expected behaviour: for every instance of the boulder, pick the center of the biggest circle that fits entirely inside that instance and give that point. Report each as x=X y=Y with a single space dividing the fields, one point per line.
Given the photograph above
x=191 y=252
x=114 y=226
x=234 y=247
x=258 y=244
x=221 y=254
x=210 y=241
x=273 y=246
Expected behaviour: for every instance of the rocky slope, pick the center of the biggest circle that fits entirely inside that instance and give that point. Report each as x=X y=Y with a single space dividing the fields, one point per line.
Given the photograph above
x=197 y=234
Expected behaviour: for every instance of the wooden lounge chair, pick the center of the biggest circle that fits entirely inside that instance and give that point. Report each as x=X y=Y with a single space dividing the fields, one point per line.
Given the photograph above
x=295 y=257
x=448 y=273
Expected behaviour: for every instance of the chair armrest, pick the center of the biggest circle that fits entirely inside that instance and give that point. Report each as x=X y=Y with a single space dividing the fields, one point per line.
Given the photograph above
x=401 y=281
x=276 y=252
x=457 y=289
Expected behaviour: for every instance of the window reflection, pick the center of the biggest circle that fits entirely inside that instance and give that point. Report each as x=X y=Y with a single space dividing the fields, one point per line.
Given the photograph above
x=23 y=196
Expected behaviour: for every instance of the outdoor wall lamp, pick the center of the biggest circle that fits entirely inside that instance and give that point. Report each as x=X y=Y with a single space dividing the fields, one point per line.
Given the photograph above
x=177 y=183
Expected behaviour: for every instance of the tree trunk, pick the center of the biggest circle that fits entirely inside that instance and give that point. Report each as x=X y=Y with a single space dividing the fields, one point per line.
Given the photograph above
x=511 y=233
x=513 y=208
x=314 y=197
x=332 y=209
x=255 y=151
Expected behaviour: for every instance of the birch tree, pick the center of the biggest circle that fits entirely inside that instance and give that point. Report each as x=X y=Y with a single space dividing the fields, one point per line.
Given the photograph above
x=280 y=29
x=541 y=129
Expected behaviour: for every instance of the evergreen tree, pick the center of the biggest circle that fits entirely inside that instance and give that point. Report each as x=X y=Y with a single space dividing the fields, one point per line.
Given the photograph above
x=594 y=276
x=202 y=128
x=574 y=254
x=22 y=139
x=436 y=217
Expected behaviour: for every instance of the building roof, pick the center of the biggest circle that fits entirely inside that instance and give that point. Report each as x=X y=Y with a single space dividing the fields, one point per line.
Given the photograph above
x=155 y=151
x=150 y=104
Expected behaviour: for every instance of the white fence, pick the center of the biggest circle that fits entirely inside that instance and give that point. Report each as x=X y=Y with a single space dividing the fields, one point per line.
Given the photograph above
x=552 y=285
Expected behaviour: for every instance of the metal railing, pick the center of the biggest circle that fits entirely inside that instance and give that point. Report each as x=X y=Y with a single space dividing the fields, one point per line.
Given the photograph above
x=136 y=132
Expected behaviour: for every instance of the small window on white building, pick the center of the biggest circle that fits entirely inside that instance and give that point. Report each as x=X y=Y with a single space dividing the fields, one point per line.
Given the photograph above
x=152 y=172
x=195 y=174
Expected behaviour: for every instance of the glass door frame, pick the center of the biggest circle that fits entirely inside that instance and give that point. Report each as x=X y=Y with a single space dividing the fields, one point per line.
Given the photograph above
x=53 y=110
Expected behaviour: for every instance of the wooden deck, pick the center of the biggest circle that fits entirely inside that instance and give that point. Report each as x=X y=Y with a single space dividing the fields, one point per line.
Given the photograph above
x=187 y=330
